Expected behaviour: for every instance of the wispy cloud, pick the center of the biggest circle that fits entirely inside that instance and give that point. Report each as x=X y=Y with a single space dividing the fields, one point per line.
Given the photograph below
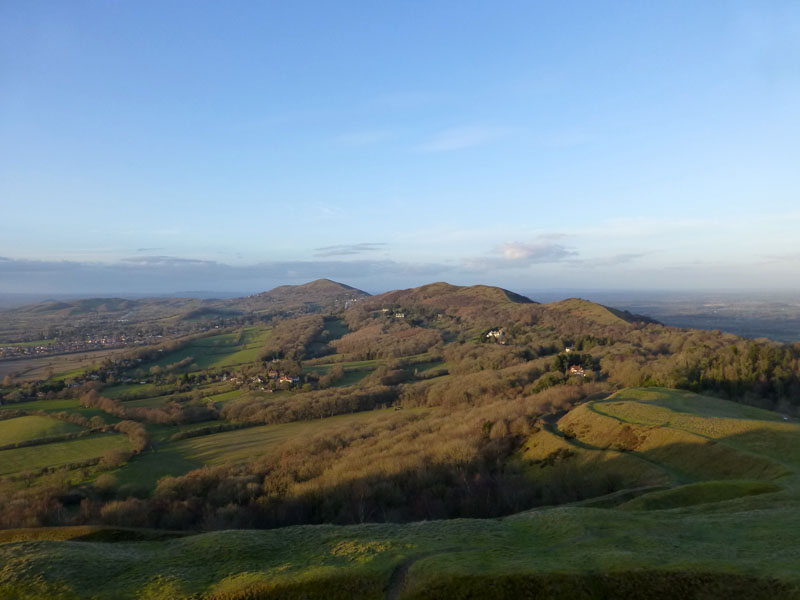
x=169 y=273
x=460 y=138
x=545 y=249
x=346 y=249
x=608 y=261
x=168 y=261
x=789 y=257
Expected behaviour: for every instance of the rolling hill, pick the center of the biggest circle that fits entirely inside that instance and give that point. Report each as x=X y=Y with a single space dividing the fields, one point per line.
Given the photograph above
x=715 y=486
x=441 y=441
x=315 y=296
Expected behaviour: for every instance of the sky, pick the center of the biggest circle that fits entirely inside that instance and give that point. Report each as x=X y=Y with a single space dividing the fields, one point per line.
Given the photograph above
x=163 y=146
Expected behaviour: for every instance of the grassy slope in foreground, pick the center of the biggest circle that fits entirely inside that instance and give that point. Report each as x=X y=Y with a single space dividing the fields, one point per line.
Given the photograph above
x=704 y=538
x=461 y=558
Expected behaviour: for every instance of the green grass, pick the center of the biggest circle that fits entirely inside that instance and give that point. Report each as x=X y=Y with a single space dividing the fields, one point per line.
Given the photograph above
x=33 y=458
x=46 y=405
x=687 y=402
x=724 y=537
x=352 y=377
x=358 y=365
x=119 y=391
x=94 y=533
x=226 y=396
x=144 y=471
x=220 y=350
x=576 y=553
x=33 y=427
x=433 y=364
x=699 y=493
x=336 y=328
x=68 y=405
x=181 y=456
x=655 y=437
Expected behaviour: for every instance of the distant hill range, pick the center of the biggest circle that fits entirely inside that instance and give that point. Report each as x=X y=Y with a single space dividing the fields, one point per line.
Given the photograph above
x=478 y=304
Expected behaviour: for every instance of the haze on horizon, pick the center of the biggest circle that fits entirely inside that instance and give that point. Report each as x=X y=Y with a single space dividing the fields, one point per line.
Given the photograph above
x=154 y=147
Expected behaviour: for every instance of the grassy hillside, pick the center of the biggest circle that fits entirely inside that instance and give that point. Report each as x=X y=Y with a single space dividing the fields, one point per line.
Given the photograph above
x=727 y=527
x=497 y=406
x=220 y=350
x=653 y=436
x=577 y=553
x=596 y=313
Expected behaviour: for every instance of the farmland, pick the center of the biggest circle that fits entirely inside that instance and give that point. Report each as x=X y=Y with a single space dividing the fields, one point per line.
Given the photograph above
x=366 y=454
x=63 y=365
x=28 y=428
x=56 y=454
x=220 y=350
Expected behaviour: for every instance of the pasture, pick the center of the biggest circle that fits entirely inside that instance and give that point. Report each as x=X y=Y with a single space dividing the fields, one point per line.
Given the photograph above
x=653 y=437
x=69 y=405
x=33 y=458
x=23 y=429
x=223 y=350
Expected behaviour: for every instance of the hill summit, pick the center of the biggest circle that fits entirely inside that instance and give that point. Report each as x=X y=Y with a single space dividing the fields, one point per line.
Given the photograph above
x=314 y=296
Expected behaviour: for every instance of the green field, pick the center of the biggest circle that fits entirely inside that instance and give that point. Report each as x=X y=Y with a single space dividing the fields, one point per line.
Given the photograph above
x=69 y=405
x=357 y=365
x=33 y=427
x=181 y=456
x=119 y=391
x=33 y=458
x=648 y=437
x=220 y=350
x=226 y=396
x=46 y=405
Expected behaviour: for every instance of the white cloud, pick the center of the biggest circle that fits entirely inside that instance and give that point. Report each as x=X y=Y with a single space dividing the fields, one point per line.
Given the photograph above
x=522 y=254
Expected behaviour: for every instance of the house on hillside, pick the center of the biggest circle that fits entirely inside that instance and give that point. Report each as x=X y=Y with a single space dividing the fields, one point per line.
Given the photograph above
x=498 y=335
x=399 y=315
x=288 y=379
x=577 y=370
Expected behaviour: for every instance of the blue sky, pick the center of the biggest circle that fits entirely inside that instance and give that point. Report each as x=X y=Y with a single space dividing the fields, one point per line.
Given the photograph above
x=166 y=146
